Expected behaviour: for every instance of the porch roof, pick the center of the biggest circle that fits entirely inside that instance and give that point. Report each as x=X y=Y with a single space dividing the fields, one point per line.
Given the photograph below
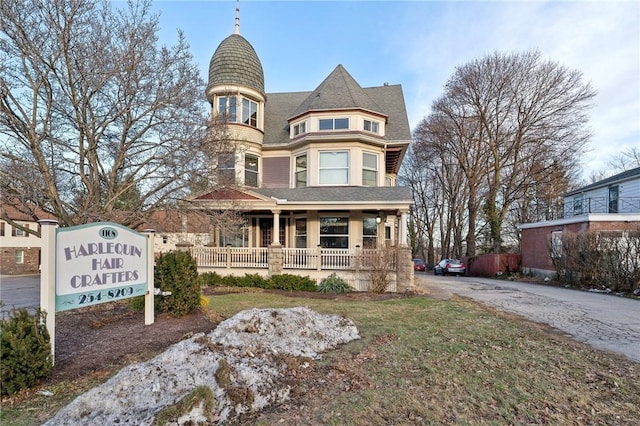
x=340 y=194
x=318 y=198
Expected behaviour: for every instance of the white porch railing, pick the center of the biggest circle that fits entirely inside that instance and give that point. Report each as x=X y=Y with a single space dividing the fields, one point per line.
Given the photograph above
x=293 y=258
x=319 y=258
x=231 y=257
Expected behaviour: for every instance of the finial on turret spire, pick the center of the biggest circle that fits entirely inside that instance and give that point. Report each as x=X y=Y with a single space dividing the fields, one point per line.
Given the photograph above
x=237 y=17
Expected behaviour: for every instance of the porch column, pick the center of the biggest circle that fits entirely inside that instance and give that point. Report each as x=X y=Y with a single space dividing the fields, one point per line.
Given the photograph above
x=402 y=229
x=276 y=228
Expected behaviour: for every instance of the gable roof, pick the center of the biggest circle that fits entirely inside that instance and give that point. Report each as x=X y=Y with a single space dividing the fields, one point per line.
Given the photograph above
x=620 y=177
x=338 y=91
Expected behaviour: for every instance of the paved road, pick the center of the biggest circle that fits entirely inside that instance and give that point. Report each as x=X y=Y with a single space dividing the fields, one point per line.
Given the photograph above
x=604 y=321
x=19 y=291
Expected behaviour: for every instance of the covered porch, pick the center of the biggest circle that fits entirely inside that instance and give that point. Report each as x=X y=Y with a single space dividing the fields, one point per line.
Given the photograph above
x=360 y=229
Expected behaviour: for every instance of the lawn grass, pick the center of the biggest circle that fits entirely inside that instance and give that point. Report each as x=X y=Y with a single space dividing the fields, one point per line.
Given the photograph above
x=457 y=362
x=427 y=361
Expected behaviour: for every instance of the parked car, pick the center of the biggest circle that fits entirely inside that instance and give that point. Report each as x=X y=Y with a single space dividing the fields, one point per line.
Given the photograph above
x=450 y=266
x=419 y=265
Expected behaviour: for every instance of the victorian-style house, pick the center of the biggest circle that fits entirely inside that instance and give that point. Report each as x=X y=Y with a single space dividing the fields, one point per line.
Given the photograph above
x=313 y=173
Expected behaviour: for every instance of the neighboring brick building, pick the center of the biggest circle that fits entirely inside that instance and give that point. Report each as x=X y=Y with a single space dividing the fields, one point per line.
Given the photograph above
x=610 y=206
x=20 y=250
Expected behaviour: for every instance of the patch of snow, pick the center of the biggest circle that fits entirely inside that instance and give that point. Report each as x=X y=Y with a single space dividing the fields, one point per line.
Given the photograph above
x=249 y=345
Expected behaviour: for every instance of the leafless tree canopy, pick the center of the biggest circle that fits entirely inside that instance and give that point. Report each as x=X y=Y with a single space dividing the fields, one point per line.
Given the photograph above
x=97 y=122
x=505 y=139
x=626 y=160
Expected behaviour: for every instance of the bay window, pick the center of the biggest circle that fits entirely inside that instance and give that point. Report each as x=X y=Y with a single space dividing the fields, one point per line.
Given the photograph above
x=369 y=169
x=371 y=126
x=334 y=168
x=334 y=124
x=301 y=171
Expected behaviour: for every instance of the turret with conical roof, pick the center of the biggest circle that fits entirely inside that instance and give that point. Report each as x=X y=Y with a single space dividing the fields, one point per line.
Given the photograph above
x=235 y=63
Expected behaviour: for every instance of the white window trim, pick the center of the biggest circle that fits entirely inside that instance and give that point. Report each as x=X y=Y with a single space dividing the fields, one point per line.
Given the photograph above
x=298 y=129
x=333 y=124
x=320 y=168
x=295 y=170
x=372 y=124
x=364 y=168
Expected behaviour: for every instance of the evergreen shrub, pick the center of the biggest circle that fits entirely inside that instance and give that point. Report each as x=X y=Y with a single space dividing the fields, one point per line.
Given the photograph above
x=177 y=272
x=333 y=284
x=25 y=351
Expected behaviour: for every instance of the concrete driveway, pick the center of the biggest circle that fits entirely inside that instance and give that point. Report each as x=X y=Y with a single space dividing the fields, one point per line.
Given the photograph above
x=603 y=321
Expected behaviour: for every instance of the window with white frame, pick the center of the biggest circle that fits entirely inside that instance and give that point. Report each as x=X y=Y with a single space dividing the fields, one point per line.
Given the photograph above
x=300 y=128
x=227 y=108
x=1 y=229
x=234 y=236
x=301 y=232
x=334 y=168
x=369 y=169
x=369 y=232
x=371 y=126
x=334 y=232
x=226 y=170
x=333 y=124
x=250 y=112
x=301 y=171
x=251 y=170
x=18 y=232
x=19 y=256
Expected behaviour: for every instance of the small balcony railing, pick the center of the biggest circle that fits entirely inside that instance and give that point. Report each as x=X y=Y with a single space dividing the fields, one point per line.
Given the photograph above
x=601 y=205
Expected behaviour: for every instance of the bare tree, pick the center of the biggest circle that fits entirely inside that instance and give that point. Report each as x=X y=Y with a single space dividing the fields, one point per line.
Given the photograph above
x=97 y=122
x=511 y=122
x=626 y=160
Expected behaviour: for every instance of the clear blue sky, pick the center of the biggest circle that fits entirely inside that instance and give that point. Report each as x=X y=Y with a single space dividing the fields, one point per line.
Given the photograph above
x=419 y=43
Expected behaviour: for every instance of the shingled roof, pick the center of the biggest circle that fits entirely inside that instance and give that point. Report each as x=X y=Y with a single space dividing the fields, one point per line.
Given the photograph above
x=339 y=194
x=338 y=91
x=235 y=62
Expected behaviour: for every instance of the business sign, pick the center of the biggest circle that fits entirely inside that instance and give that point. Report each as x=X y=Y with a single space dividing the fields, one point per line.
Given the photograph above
x=97 y=263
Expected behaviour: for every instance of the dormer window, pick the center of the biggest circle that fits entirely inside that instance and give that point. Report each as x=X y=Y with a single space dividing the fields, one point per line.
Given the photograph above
x=300 y=128
x=371 y=126
x=334 y=124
